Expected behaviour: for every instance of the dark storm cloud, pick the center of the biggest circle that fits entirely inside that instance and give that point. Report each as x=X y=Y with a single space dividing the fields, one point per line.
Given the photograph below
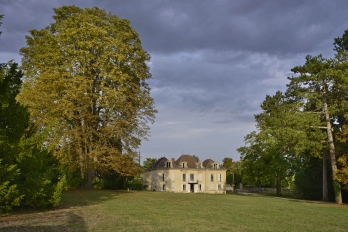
x=275 y=27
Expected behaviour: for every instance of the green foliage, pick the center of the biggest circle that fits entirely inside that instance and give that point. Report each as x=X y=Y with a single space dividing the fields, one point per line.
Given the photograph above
x=309 y=180
x=13 y=121
x=234 y=178
x=41 y=180
x=9 y=194
x=28 y=174
x=341 y=43
x=271 y=155
x=323 y=84
x=196 y=158
x=148 y=162
x=73 y=178
x=113 y=181
x=227 y=162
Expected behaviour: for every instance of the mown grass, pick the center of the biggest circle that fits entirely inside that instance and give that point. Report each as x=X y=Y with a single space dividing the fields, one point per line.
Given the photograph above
x=97 y=210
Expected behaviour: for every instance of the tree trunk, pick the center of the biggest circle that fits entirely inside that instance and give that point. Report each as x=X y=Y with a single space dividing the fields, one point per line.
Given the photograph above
x=88 y=184
x=337 y=185
x=325 y=190
x=279 y=186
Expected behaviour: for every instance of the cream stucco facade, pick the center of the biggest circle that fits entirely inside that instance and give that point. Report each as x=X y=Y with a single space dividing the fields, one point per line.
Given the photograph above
x=185 y=175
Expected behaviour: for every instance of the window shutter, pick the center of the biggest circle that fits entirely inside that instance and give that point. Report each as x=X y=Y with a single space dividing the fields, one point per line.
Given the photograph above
x=173 y=177
x=222 y=177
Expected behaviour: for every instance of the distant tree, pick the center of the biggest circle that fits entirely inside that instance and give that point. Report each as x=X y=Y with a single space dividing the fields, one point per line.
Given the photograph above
x=227 y=162
x=271 y=153
x=148 y=162
x=86 y=89
x=196 y=158
x=1 y=17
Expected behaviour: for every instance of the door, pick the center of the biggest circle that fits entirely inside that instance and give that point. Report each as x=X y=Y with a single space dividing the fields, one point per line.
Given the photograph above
x=192 y=188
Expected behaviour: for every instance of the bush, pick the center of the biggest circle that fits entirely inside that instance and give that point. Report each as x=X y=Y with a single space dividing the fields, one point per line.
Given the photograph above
x=41 y=181
x=9 y=194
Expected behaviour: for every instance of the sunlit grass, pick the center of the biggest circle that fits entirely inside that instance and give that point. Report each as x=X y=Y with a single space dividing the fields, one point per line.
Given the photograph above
x=96 y=210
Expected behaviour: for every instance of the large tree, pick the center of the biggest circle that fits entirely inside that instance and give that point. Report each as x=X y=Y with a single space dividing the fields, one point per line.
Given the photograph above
x=323 y=83
x=85 y=86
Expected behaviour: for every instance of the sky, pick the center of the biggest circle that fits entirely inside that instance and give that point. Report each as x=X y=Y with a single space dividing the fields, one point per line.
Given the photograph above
x=213 y=62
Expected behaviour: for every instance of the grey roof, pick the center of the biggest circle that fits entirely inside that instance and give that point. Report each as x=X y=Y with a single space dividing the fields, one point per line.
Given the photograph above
x=191 y=163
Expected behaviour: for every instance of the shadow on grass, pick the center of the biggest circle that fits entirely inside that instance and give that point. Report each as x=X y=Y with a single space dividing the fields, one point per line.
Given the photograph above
x=65 y=217
x=287 y=197
x=53 y=221
x=74 y=198
x=85 y=197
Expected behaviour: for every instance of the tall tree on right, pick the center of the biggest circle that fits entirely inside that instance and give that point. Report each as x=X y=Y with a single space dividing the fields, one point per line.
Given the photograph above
x=323 y=83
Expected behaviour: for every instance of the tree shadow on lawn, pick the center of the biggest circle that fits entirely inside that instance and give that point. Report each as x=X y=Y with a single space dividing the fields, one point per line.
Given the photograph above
x=288 y=198
x=64 y=217
x=52 y=221
x=85 y=197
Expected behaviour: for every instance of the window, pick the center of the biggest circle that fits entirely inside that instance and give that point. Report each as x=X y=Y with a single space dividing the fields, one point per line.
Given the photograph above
x=173 y=177
x=184 y=187
x=212 y=177
x=173 y=188
x=184 y=165
x=199 y=177
x=200 y=187
x=220 y=177
x=192 y=177
x=219 y=187
x=211 y=187
x=168 y=164
x=215 y=166
x=184 y=177
x=163 y=177
x=164 y=187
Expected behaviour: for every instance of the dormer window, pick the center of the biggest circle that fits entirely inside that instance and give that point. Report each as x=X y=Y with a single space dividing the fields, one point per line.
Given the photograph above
x=199 y=165
x=184 y=164
x=168 y=164
x=216 y=166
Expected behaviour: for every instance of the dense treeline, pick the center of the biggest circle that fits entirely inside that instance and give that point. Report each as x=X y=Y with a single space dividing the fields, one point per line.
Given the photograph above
x=76 y=110
x=302 y=134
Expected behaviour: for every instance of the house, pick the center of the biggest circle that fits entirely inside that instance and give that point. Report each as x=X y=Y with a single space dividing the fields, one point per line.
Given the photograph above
x=185 y=175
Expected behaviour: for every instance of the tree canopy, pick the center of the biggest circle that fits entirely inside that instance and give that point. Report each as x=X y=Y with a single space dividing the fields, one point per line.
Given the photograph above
x=85 y=88
x=291 y=126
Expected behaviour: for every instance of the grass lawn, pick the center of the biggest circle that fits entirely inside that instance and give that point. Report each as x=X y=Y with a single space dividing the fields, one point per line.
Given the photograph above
x=100 y=210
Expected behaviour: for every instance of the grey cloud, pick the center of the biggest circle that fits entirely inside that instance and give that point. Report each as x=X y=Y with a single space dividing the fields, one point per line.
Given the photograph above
x=213 y=62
